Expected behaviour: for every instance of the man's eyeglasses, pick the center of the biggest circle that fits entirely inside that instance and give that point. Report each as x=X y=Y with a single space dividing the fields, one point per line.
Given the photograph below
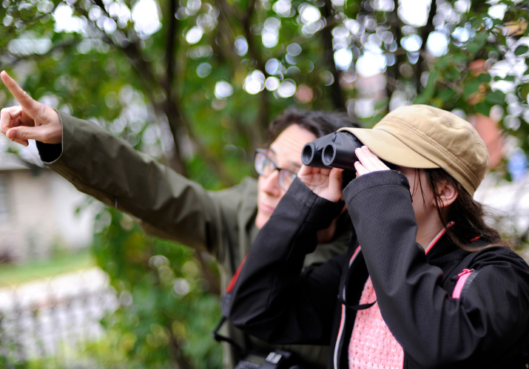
x=264 y=165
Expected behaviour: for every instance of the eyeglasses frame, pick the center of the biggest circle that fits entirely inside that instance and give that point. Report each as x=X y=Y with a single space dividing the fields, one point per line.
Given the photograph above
x=265 y=153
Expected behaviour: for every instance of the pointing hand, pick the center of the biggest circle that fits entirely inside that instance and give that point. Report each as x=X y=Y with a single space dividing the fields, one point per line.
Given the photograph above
x=29 y=121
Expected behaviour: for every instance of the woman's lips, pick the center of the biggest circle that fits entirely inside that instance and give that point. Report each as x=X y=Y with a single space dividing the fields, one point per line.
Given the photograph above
x=266 y=209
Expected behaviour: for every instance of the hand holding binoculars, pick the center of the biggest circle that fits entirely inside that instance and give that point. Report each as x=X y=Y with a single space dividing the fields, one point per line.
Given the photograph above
x=335 y=150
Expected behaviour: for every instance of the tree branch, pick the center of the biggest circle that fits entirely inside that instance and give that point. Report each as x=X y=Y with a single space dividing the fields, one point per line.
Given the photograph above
x=172 y=113
x=263 y=114
x=171 y=108
x=212 y=161
x=337 y=95
x=17 y=59
x=13 y=29
x=425 y=31
x=393 y=71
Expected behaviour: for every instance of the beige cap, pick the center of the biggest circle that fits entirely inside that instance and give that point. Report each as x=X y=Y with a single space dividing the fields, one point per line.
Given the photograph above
x=421 y=136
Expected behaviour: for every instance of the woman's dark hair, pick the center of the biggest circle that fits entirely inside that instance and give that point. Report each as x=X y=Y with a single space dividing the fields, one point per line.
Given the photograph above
x=320 y=123
x=466 y=213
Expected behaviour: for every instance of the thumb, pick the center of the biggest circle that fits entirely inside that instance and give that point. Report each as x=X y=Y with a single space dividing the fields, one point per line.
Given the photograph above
x=24 y=133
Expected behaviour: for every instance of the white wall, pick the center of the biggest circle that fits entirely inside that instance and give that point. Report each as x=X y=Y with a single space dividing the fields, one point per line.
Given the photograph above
x=74 y=229
x=41 y=213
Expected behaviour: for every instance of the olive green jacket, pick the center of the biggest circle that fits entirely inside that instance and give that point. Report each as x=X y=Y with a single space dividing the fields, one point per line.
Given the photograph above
x=170 y=206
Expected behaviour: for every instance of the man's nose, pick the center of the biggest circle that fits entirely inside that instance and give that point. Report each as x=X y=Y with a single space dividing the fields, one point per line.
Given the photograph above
x=271 y=184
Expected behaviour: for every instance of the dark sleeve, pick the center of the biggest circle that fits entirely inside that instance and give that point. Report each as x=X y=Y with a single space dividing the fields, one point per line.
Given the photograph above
x=434 y=329
x=271 y=299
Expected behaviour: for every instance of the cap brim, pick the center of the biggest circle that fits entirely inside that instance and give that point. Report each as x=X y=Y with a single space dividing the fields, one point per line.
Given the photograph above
x=389 y=148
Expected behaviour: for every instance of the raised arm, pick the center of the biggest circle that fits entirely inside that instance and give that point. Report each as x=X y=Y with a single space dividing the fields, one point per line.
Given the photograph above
x=273 y=299
x=107 y=168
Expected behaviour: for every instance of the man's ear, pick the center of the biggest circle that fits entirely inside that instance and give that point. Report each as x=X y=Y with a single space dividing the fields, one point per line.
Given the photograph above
x=447 y=194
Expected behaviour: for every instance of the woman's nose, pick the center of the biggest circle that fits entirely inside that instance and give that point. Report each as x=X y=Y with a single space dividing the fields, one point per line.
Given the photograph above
x=271 y=184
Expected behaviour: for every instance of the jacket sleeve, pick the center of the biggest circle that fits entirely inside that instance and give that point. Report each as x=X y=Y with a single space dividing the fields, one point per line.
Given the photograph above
x=167 y=204
x=273 y=299
x=434 y=329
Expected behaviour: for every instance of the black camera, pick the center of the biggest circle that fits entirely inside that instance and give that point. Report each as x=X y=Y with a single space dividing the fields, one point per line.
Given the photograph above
x=277 y=359
x=253 y=359
x=335 y=150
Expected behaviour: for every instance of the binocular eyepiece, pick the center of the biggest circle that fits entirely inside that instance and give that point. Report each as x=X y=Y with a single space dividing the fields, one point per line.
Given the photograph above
x=335 y=150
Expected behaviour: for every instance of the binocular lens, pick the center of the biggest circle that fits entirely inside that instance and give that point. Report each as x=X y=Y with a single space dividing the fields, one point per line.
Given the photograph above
x=328 y=155
x=333 y=150
x=307 y=155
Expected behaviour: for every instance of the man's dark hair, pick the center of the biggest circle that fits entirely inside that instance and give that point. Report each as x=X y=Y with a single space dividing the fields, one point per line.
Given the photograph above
x=320 y=123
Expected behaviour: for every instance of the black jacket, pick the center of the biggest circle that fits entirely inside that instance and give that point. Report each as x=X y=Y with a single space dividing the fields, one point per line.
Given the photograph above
x=274 y=299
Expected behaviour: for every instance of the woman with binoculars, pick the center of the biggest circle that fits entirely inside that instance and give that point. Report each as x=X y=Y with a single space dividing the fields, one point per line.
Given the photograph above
x=425 y=283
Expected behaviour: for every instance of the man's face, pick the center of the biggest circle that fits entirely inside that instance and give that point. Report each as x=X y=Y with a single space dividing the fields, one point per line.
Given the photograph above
x=286 y=153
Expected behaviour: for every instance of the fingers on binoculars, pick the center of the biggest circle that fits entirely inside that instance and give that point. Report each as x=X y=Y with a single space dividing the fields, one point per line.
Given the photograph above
x=335 y=176
x=370 y=161
x=305 y=170
x=360 y=169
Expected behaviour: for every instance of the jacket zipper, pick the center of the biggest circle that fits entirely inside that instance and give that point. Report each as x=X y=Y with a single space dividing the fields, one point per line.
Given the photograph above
x=461 y=280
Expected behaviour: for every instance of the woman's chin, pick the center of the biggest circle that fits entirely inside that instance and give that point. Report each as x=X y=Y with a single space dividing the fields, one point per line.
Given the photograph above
x=261 y=220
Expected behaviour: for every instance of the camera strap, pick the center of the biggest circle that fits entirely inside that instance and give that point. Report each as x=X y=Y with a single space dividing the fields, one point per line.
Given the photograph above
x=224 y=306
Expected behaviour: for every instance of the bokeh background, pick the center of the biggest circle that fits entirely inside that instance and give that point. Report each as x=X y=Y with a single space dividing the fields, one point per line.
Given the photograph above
x=195 y=83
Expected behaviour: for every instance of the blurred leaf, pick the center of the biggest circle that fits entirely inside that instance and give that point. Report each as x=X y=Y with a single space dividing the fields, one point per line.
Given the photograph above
x=496 y=97
x=523 y=91
x=475 y=46
x=429 y=90
x=470 y=88
x=484 y=78
x=521 y=50
x=483 y=108
x=446 y=94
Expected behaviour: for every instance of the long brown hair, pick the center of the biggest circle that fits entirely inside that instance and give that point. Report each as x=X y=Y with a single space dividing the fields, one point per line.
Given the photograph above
x=465 y=212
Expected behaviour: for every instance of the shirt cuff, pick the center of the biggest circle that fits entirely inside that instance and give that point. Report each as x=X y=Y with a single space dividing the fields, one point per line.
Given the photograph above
x=375 y=179
x=49 y=152
x=320 y=210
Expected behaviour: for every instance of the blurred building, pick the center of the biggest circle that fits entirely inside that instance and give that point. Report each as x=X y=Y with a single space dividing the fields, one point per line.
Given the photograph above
x=38 y=212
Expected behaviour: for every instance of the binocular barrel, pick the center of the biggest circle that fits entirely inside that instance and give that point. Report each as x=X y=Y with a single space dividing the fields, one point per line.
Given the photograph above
x=335 y=150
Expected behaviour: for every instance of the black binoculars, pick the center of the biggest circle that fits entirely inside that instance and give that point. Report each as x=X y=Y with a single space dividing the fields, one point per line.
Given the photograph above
x=335 y=150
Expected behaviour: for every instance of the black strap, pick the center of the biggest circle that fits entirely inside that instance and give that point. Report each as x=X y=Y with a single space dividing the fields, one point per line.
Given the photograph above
x=219 y=338
x=356 y=307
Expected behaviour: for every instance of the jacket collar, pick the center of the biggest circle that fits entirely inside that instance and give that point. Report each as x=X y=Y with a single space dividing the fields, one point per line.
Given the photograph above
x=442 y=249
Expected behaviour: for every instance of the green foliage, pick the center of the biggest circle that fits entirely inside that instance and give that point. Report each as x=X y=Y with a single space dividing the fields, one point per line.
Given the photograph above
x=166 y=312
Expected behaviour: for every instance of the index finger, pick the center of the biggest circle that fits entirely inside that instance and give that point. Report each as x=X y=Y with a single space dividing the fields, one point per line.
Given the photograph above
x=30 y=105
x=305 y=170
